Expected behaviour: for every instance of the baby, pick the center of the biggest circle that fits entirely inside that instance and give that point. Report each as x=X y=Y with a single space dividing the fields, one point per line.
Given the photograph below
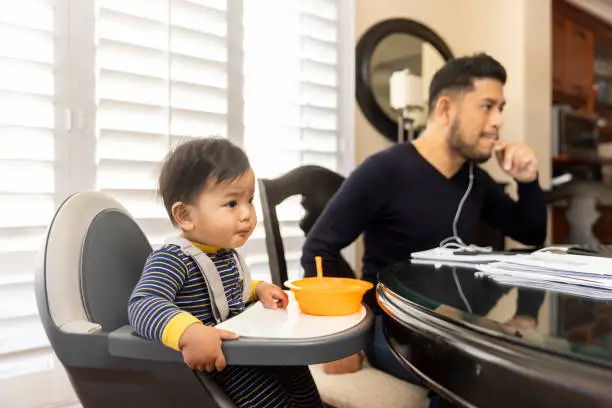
x=198 y=279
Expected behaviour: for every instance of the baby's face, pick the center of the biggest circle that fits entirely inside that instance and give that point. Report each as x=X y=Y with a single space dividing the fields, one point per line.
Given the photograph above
x=224 y=215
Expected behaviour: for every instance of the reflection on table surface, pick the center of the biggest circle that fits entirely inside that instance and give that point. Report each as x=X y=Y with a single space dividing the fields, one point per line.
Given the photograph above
x=576 y=327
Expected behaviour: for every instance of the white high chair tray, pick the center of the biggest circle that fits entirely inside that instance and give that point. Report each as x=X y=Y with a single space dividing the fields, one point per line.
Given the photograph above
x=290 y=323
x=267 y=337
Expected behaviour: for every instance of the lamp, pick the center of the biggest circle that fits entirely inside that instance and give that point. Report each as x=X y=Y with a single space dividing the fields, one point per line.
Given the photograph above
x=405 y=96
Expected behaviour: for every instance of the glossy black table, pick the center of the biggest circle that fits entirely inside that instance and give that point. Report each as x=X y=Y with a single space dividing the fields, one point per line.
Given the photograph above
x=536 y=349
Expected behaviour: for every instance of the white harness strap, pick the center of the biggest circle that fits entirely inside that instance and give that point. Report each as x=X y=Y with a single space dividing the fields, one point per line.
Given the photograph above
x=218 y=300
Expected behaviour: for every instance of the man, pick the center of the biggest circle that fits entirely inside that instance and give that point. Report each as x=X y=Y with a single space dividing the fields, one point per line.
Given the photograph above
x=407 y=198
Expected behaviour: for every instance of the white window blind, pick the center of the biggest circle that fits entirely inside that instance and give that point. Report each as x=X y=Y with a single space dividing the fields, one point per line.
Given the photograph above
x=93 y=94
x=27 y=175
x=291 y=103
x=161 y=68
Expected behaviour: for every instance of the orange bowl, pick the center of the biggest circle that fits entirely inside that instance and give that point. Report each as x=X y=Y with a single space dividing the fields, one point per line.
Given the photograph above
x=329 y=296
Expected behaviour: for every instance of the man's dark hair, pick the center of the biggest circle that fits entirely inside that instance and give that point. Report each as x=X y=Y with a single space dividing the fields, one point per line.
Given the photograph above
x=189 y=167
x=458 y=75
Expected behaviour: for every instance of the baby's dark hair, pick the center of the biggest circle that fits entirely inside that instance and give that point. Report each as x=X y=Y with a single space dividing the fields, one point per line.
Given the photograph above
x=189 y=167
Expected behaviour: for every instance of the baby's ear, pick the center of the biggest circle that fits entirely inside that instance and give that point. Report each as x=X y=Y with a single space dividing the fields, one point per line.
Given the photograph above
x=182 y=216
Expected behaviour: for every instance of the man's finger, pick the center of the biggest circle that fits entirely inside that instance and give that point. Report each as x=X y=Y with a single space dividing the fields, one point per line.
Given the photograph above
x=522 y=157
x=509 y=158
x=526 y=162
x=500 y=146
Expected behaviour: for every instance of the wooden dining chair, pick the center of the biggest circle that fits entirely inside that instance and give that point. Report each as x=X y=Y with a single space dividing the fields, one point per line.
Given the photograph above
x=316 y=185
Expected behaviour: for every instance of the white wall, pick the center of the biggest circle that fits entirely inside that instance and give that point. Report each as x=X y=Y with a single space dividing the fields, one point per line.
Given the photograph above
x=432 y=60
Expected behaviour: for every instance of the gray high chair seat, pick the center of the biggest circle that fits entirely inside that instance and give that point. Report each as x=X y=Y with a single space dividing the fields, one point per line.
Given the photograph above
x=92 y=257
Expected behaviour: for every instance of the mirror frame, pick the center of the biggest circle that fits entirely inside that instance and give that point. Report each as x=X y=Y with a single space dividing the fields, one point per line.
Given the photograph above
x=363 y=56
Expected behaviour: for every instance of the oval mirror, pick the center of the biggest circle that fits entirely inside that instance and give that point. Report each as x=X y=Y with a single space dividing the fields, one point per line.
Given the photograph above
x=394 y=46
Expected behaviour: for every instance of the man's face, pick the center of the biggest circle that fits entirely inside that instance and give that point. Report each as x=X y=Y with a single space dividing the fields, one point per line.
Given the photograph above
x=476 y=119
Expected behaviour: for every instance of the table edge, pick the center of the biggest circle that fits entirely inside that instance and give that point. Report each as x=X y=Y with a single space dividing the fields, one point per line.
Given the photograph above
x=431 y=346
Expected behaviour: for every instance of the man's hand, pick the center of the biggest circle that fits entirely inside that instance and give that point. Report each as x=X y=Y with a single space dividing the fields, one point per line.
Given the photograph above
x=517 y=160
x=201 y=347
x=271 y=296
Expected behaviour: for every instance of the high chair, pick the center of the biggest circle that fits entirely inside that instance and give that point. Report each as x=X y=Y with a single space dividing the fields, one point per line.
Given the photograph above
x=91 y=259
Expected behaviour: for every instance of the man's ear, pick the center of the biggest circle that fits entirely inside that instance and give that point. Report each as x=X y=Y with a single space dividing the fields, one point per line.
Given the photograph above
x=443 y=109
x=182 y=216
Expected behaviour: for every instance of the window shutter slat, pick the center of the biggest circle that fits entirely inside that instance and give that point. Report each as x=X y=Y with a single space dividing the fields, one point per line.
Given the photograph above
x=198 y=71
x=291 y=99
x=27 y=163
x=156 y=10
x=26 y=362
x=132 y=94
x=162 y=78
x=17 y=262
x=21 y=334
x=299 y=83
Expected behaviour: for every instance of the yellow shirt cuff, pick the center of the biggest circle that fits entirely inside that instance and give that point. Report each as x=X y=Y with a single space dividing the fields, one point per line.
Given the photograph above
x=253 y=296
x=176 y=327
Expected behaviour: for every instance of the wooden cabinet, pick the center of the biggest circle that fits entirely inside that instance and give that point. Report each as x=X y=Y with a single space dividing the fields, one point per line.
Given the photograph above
x=580 y=60
x=573 y=57
x=558 y=51
x=580 y=55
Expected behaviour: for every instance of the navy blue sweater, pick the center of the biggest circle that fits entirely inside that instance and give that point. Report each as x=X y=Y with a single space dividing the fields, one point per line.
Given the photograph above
x=402 y=204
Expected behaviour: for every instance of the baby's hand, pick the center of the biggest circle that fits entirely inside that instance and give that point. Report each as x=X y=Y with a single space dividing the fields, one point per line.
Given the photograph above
x=271 y=295
x=201 y=347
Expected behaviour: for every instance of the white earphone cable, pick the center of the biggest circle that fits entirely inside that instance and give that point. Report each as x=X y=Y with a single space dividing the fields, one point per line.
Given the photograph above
x=455 y=241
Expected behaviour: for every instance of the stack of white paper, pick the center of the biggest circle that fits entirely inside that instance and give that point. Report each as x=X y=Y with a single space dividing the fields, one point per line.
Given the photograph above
x=573 y=274
x=449 y=255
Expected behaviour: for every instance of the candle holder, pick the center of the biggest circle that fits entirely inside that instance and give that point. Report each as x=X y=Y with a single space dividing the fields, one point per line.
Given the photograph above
x=406 y=123
x=405 y=95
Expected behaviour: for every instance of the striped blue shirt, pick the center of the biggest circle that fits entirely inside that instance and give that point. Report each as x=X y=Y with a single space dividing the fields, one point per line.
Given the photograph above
x=171 y=282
